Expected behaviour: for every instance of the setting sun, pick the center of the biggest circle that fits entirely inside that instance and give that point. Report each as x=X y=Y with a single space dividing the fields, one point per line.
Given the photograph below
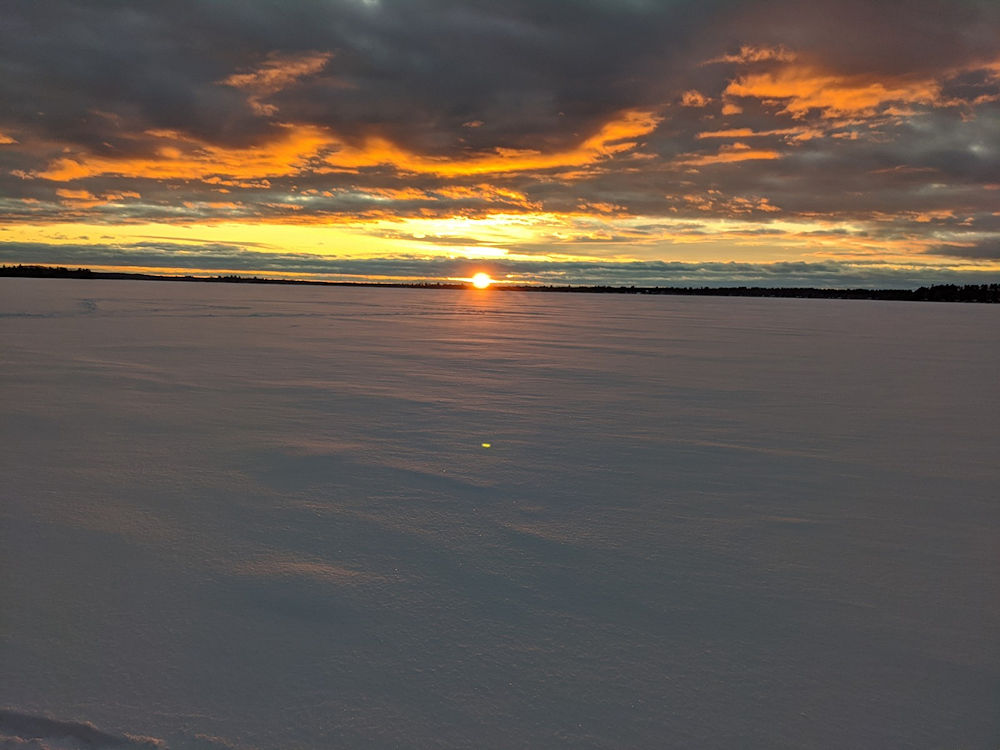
x=481 y=280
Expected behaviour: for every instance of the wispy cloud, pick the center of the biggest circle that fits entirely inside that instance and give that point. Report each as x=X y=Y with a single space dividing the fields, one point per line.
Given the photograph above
x=275 y=74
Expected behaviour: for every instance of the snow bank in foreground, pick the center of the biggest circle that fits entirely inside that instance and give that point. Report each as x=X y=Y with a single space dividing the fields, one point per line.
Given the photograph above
x=21 y=731
x=18 y=730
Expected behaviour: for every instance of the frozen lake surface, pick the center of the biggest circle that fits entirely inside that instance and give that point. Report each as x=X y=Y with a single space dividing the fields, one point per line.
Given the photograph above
x=263 y=517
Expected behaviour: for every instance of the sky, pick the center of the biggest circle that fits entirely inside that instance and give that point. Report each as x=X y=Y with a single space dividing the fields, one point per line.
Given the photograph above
x=646 y=142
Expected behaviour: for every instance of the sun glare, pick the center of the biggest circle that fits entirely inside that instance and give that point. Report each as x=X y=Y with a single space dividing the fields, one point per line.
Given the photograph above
x=481 y=280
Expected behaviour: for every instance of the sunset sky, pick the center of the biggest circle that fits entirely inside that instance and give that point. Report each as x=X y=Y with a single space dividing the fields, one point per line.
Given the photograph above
x=652 y=142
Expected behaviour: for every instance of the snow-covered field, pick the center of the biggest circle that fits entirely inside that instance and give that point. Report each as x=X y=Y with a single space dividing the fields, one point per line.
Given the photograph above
x=264 y=517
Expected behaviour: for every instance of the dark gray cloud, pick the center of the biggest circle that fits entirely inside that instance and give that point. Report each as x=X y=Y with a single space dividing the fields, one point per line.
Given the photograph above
x=416 y=70
x=896 y=136
x=537 y=74
x=864 y=36
x=976 y=249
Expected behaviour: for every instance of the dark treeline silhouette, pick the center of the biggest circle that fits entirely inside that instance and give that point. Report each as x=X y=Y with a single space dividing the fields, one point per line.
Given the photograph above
x=44 y=272
x=935 y=293
x=60 y=272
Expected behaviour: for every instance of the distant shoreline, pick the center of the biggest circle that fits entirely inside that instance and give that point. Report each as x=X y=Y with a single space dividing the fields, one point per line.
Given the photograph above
x=984 y=293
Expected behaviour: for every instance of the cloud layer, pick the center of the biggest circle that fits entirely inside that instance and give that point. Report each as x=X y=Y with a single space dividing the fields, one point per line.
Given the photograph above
x=233 y=259
x=874 y=122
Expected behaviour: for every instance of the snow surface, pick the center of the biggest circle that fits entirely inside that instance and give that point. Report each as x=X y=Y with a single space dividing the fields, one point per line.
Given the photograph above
x=263 y=517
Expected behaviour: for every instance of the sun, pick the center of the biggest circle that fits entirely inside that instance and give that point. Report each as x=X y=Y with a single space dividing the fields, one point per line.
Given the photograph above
x=481 y=280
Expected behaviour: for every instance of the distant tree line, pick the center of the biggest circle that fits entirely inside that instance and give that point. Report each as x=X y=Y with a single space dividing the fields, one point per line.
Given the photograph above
x=935 y=293
x=45 y=272
x=955 y=293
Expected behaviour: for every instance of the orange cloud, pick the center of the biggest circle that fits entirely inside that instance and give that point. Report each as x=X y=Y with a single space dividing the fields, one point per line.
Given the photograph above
x=802 y=88
x=731 y=133
x=613 y=138
x=485 y=191
x=302 y=148
x=789 y=135
x=76 y=195
x=750 y=53
x=924 y=217
x=80 y=198
x=187 y=159
x=694 y=99
x=798 y=133
x=4 y=139
x=729 y=154
x=277 y=73
x=399 y=194
x=601 y=207
x=715 y=201
x=86 y=199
